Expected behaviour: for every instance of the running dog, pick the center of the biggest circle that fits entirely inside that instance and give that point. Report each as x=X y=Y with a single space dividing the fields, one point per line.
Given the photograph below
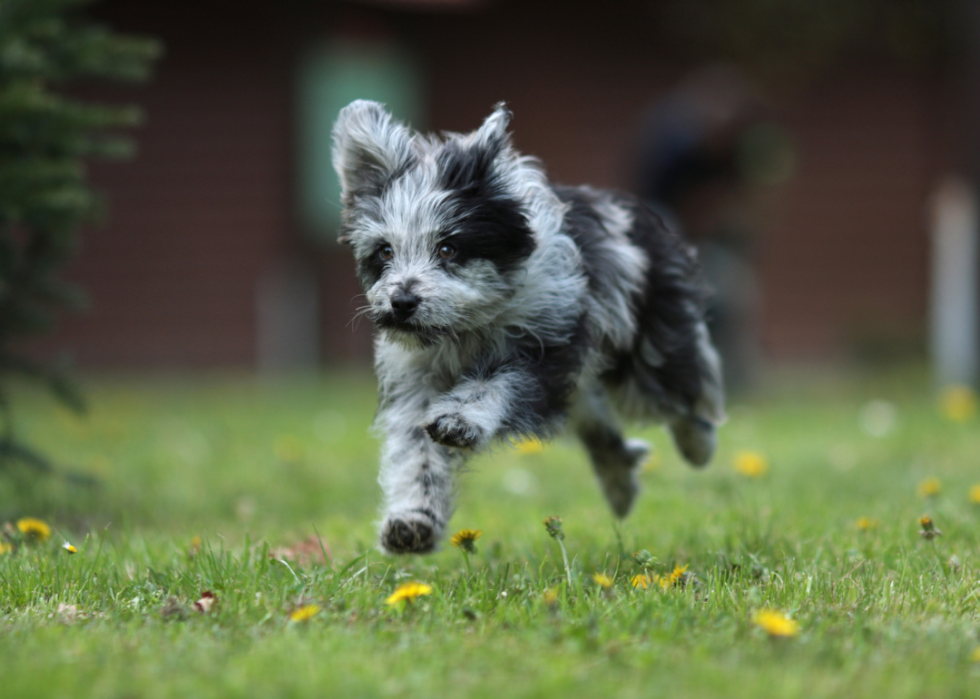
x=509 y=307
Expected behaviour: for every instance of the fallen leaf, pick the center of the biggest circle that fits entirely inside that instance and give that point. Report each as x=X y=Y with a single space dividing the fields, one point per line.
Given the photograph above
x=207 y=601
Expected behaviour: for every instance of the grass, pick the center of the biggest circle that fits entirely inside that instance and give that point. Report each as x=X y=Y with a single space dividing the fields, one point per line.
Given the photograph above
x=247 y=468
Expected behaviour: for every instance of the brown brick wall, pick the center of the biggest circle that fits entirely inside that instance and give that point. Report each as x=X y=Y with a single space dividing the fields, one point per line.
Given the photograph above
x=207 y=205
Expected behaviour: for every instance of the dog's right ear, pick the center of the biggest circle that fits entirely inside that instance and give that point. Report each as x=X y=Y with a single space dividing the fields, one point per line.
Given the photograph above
x=368 y=147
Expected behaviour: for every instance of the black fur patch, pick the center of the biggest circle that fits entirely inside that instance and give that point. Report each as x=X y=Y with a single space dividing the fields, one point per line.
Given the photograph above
x=370 y=268
x=486 y=223
x=599 y=253
x=668 y=311
x=548 y=378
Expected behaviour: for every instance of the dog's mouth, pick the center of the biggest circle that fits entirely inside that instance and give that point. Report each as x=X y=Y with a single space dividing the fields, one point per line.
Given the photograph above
x=425 y=334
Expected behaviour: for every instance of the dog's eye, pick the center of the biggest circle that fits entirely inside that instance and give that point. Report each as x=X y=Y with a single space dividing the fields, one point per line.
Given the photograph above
x=385 y=252
x=447 y=251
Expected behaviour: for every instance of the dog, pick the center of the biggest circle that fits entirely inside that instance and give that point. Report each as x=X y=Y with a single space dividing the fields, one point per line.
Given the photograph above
x=507 y=307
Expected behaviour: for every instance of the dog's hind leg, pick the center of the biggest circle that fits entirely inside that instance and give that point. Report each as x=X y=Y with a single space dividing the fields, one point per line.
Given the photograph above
x=616 y=460
x=695 y=433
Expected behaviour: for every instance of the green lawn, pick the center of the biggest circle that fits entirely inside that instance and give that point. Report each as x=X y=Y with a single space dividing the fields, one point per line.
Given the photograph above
x=248 y=467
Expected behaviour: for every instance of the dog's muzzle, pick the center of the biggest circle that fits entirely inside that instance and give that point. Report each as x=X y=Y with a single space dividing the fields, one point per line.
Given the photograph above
x=403 y=305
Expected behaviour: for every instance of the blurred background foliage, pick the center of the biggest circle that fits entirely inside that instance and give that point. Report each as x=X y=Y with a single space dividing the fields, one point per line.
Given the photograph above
x=45 y=136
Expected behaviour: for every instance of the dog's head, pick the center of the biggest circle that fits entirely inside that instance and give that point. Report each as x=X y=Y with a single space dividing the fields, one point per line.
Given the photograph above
x=439 y=227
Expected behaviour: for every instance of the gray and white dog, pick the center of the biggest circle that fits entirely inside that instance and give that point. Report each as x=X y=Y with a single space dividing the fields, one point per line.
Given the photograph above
x=507 y=307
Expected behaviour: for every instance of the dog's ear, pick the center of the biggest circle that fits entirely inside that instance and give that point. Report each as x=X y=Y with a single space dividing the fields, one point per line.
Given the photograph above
x=368 y=147
x=467 y=163
x=492 y=136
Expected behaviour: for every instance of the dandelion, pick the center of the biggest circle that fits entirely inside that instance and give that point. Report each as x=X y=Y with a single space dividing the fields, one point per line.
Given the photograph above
x=644 y=559
x=465 y=539
x=975 y=494
x=531 y=445
x=644 y=580
x=751 y=464
x=34 y=530
x=930 y=487
x=958 y=403
x=5 y=547
x=975 y=657
x=928 y=531
x=677 y=574
x=553 y=525
x=69 y=548
x=550 y=597
x=304 y=613
x=866 y=524
x=602 y=580
x=409 y=592
x=776 y=624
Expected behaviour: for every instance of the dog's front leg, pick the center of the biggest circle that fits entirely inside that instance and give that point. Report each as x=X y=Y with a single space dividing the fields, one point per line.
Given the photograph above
x=477 y=409
x=416 y=478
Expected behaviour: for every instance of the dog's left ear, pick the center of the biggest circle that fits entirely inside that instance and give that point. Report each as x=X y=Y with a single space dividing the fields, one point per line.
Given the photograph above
x=467 y=162
x=492 y=136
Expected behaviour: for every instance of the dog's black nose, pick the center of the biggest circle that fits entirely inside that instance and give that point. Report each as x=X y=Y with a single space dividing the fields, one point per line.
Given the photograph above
x=404 y=304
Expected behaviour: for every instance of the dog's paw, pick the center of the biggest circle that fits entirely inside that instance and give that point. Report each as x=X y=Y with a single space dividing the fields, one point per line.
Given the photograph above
x=695 y=439
x=620 y=488
x=408 y=533
x=620 y=481
x=453 y=430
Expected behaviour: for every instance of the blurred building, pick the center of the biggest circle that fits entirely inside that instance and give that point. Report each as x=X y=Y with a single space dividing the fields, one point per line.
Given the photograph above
x=217 y=247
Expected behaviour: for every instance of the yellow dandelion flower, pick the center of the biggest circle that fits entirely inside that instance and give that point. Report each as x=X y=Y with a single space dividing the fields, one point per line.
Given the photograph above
x=975 y=656
x=304 y=613
x=930 y=487
x=929 y=530
x=677 y=573
x=975 y=494
x=643 y=581
x=602 y=580
x=5 y=547
x=776 y=624
x=409 y=592
x=465 y=539
x=751 y=464
x=69 y=548
x=866 y=523
x=550 y=597
x=958 y=403
x=34 y=529
x=530 y=445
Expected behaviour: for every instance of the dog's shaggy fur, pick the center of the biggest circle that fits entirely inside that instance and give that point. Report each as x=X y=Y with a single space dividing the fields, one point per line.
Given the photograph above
x=507 y=307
